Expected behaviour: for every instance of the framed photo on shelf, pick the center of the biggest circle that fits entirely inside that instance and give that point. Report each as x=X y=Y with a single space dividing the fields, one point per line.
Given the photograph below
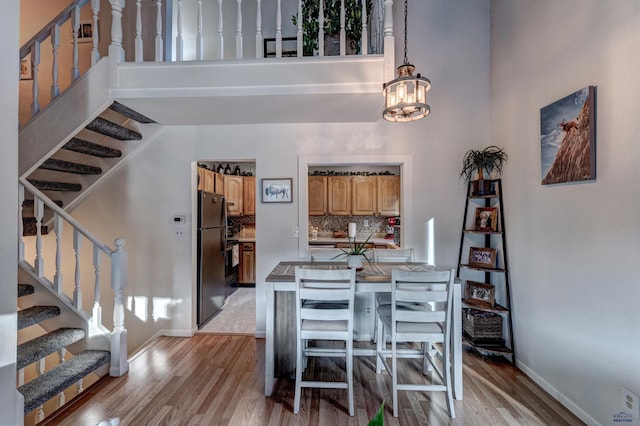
x=277 y=190
x=486 y=219
x=481 y=294
x=482 y=257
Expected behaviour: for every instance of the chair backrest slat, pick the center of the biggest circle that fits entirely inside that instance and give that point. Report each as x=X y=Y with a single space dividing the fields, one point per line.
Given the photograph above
x=325 y=290
x=393 y=255
x=327 y=255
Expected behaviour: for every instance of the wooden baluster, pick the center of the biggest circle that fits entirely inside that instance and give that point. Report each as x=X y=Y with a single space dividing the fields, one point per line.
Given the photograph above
x=75 y=27
x=159 y=31
x=138 y=43
x=38 y=209
x=179 y=40
x=61 y=395
x=199 y=39
x=35 y=65
x=58 y=228
x=220 y=37
x=299 y=34
x=364 y=39
x=279 y=30
x=77 y=291
x=20 y=223
x=95 y=54
x=119 y=363
x=389 y=40
x=239 y=30
x=97 y=309
x=115 y=48
x=343 y=32
x=259 y=45
x=55 y=45
x=321 y=29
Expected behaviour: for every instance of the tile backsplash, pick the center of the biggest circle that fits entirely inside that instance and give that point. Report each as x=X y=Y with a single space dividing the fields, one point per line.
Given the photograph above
x=377 y=224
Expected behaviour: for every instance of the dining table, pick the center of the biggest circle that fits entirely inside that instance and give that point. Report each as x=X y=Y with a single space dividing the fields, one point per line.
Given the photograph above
x=375 y=277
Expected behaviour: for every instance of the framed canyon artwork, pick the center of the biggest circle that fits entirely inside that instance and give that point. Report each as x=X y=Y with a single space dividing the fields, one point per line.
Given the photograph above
x=568 y=138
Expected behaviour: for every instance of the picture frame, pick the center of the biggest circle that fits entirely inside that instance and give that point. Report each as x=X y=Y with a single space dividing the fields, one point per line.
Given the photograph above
x=25 y=70
x=568 y=138
x=481 y=294
x=289 y=47
x=85 y=32
x=277 y=190
x=486 y=219
x=482 y=257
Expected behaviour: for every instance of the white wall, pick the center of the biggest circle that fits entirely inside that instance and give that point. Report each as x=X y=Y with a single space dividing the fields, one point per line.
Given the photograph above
x=138 y=201
x=573 y=248
x=9 y=20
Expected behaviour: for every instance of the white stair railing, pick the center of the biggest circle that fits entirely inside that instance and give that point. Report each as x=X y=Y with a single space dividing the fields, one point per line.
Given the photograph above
x=117 y=257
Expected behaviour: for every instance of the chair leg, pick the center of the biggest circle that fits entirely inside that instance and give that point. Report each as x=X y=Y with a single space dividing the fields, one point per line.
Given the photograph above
x=380 y=345
x=394 y=376
x=446 y=364
x=299 y=368
x=350 y=376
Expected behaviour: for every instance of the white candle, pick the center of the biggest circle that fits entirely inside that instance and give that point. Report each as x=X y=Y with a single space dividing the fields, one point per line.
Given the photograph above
x=352 y=230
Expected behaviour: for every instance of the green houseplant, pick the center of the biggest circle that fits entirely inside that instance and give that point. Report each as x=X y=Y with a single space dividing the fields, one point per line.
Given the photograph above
x=355 y=253
x=478 y=161
x=310 y=27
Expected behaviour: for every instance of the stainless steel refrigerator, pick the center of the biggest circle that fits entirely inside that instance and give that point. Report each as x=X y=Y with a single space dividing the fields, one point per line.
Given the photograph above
x=212 y=241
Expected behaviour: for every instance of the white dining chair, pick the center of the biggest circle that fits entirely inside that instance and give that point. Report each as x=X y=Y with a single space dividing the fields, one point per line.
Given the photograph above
x=324 y=311
x=426 y=326
x=327 y=255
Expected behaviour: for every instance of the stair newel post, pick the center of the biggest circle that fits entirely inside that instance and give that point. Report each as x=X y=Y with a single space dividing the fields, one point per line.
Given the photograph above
x=38 y=263
x=35 y=65
x=58 y=228
x=119 y=260
x=95 y=54
x=389 y=41
x=259 y=45
x=115 y=48
x=179 y=40
x=139 y=50
x=20 y=223
x=55 y=45
x=220 y=36
x=75 y=25
x=239 y=29
x=299 y=34
x=97 y=309
x=279 y=29
x=159 y=31
x=77 y=291
x=199 y=39
x=364 y=38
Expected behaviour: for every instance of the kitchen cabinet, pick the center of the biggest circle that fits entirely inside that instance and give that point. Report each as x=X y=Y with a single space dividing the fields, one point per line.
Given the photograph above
x=364 y=195
x=249 y=195
x=200 y=178
x=317 y=193
x=388 y=191
x=247 y=263
x=339 y=195
x=209 y=182
x=218 y=183
x=233 y=193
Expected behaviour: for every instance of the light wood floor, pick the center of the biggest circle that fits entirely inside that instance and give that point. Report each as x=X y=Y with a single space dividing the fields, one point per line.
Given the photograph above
x=219 y=380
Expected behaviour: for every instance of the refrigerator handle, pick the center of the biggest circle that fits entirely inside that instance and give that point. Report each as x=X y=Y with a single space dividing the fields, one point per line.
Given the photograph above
x=223 y=213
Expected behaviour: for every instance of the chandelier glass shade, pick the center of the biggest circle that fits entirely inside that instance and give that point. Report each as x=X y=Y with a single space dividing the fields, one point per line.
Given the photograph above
x=406 y=96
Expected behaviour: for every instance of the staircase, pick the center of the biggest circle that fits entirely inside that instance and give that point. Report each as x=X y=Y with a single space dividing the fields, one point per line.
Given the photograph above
x=70 y=173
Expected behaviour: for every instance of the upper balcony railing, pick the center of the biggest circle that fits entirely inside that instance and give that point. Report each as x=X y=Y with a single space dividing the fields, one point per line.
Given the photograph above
x=201 y=30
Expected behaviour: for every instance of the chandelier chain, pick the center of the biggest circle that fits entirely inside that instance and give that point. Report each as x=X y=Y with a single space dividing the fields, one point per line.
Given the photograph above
x=406 y=61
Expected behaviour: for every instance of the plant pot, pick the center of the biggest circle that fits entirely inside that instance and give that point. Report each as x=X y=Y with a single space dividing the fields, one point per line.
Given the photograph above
x=355 y=261
x=483 y=187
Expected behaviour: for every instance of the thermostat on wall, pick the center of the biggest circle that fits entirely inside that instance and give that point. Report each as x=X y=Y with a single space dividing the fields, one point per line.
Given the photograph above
x=179 y=220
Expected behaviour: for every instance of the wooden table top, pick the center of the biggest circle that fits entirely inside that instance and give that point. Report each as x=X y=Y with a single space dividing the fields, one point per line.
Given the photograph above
x=373 y=272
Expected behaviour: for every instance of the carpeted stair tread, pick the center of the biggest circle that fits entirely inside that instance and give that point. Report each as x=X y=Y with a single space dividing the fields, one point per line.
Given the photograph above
x=128 y=112
x=41 y=389
x=69 y=167
x=35 y=315
x=113 y=130
x=25 y=290
x=29 y=227
x=89 y=148
x=28 y=204
x=45 y=185
x=35 y=349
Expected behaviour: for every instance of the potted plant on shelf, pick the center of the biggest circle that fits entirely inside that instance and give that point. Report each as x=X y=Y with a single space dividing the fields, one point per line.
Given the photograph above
x=478 y=161
x=352 y=24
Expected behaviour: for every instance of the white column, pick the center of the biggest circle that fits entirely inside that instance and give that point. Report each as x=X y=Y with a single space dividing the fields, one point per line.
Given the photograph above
x=259 y=41
x=55 y=45
x=77 y=291
x=138 y=47
x=179 y=40
x=199 y=39
x=239 y=30
x=119 y=363
x=220 y=36
x=97 y=309
x=95 y=54
x=389 y=42
x=115 y=48
x=159 y=55
x=75 y=26
x=58 y=228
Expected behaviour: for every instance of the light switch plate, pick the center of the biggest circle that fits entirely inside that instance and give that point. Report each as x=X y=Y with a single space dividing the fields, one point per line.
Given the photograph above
x=294 y=232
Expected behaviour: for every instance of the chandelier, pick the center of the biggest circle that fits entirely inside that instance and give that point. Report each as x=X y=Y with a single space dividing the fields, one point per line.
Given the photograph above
x=406 y=96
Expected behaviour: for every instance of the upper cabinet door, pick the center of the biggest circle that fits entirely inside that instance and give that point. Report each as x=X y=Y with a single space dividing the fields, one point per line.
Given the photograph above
x=218 y=183
x=249 y=195
x=317 y=195
x=389 y=195
x=339 y=195
x=201 y=178
x=364 y=195
x=209 y=183
x=233 y=192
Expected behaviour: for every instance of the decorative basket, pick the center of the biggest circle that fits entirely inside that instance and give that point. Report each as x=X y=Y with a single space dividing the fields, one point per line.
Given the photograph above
x=482 y=325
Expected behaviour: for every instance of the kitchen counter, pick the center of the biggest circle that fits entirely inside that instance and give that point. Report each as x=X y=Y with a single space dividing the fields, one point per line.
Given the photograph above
x=379 y=241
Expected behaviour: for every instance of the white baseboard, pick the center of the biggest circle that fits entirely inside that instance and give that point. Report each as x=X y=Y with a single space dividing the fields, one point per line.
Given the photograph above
x=160 y=333
x=555 y=393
